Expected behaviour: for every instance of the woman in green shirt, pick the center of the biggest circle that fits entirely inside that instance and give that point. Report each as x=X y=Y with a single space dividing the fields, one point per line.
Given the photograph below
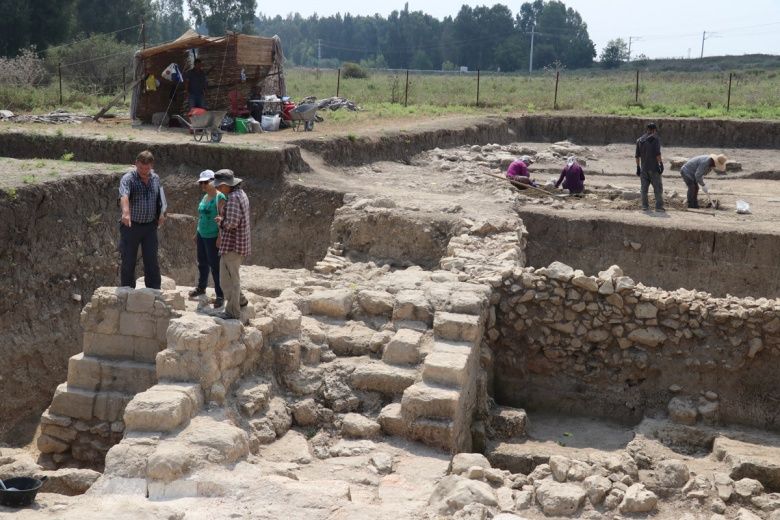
x=206 y=237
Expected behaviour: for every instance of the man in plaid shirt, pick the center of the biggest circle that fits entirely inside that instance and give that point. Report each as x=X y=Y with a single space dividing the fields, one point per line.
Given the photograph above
x=234 y=240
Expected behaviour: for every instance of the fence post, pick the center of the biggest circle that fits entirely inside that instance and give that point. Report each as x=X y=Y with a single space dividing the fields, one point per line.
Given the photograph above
x=124 y=84
x=59 y=73
x=477 y=87
x=338 y=82
x=636 y=92
x=406 y=90
x=555 y=102
x=728 y=99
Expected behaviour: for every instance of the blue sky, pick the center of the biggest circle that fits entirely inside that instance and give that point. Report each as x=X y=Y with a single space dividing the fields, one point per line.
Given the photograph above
x=666 y=28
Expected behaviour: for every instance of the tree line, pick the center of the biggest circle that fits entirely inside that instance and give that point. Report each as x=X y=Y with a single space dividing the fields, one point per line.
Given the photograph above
x=488 y=38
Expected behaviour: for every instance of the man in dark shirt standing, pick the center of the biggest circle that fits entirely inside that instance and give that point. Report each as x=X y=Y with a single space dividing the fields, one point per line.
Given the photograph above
x=195 y=84
x=650 y=166
x=143 y=209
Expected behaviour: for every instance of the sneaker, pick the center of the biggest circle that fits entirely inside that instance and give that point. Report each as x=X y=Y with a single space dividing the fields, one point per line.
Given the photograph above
x=660 y=210
x=225 y=316
x=219 y=302
x=645 y=208
x=197 y=292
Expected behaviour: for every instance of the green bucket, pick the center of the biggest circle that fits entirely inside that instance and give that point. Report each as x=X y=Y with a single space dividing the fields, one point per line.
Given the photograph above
x=242 y=126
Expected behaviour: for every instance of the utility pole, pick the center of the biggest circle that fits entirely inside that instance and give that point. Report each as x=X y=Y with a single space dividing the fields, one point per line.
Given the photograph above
x=703 y=37
x=630 y=40
x=531 y=56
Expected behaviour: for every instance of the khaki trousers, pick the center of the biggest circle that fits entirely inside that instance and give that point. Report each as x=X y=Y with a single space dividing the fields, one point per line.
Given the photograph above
x=229 y=279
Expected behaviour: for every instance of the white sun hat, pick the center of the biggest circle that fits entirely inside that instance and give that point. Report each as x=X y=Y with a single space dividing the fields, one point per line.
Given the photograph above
x=206 y=175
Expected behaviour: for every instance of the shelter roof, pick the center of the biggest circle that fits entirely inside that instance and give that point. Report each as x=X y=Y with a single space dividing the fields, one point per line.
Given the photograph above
x=188 y=40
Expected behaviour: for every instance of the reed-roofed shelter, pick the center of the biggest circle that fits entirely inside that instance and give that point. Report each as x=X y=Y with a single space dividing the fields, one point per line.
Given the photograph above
x=236 y=65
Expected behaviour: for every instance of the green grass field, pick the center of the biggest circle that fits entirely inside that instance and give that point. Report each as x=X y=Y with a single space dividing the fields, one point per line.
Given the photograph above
x=755 y=94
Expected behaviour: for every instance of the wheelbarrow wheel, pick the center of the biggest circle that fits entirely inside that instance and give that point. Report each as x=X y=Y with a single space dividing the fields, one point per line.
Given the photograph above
x=308 y=126
x=216 y=137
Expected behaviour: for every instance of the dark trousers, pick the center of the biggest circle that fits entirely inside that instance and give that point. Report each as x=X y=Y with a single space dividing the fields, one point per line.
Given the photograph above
x=208 y=261
x=654 y=178
x=693 y=192
x=144 y=235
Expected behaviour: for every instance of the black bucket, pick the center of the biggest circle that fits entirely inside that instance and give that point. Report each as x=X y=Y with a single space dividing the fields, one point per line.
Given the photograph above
x=23 y=495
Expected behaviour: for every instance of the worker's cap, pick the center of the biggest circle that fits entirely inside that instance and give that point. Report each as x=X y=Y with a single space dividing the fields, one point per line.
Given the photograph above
x=652 y=126
x=720 y=162
x=571 y=160
x=226 y=177
x=527 y=160
x=206 y=176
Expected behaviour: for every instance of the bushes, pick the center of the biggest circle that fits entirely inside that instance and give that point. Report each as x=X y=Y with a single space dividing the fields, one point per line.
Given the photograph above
x=93 y=65
x=353 y=70
x=25 y=70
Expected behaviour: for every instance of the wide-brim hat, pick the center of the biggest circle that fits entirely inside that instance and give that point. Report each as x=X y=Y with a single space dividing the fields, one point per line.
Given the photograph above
x=226 y=177
x=527 y=160
x=205 y=176
x=720 y=162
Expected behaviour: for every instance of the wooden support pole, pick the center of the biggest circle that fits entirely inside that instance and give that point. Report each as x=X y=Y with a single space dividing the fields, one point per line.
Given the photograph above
x=338 y=82
x=477 y=87
x=406 y=90
x=59 y=73
x=636 y=91
x=555 y=102
x=124 y=84
x=728 y=98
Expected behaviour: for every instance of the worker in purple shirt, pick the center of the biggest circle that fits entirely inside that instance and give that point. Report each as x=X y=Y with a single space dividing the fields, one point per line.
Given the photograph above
x=518 y=171
x=572 y=177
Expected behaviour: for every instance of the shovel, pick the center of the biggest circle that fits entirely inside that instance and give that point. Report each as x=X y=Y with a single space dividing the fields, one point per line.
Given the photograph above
x=714 y=203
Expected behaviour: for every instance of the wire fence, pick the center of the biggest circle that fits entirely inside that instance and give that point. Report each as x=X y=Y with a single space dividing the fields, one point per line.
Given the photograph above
x=588 y=90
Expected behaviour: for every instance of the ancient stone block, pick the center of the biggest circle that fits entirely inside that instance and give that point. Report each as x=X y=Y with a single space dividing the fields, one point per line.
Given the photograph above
x=447 y=367
x=138 y=325
x=232 y=356
x=424 y=400
x=391 y=420
x=84 y=372
x=403 y=348
x=353 y=339
x=358 y=426
x=383 y=378
x=110 y=406
x=287 y=355
x=457 y=327
x=141 y=300
x=335 y=303
x=651 y=336
x=72 y=402
x=193 y=332
x=412 y=305
x=377 y=303
x=158 y=410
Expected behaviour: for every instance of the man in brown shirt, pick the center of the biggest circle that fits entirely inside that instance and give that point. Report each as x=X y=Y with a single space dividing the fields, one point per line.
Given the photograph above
x=234 y=240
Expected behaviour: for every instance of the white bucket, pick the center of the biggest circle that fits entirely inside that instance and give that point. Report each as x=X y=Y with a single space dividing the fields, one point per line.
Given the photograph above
x=271 y=123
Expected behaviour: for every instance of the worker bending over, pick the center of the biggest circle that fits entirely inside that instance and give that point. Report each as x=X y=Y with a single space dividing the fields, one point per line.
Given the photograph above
x=518 y=171
x=693 y=173
x=572 y=177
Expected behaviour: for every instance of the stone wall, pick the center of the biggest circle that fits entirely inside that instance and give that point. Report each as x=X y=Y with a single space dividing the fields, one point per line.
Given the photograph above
x=607 y=346
x=124 y=329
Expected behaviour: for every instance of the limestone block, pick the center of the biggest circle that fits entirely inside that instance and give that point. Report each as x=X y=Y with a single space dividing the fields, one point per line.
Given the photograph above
x=391 y=420
x=466 y=299
x=353 y=339
x=357 y=426
x=311 y=329
x=68 y=481
x=188 y=367
x=59 y=432
x=72 y=402
x=383 y=378
x=383 y=462
x=222 y=441
x=104 y=321
x=48 y=444
x=682 y=410
x=748 y=487
x=232 y=356
x=157 y=411
x=306 y=412
x=47 y=417
x=110 y=406
x=505 y=422
x=650 y=336
x=141 y=300
x=170 y=461
x=287 y=356
x=672 y=473
x=424 y=400
x=559 y=466
x=193 y=332
x=638 y=500
x=645 y=311
x=377 y=303
x=137 y=325
x=84 y=372
x=463 y=461
x=412 y=305
x=447 y=366
x=279 y=415
x=126 y=376
x=596 y=487
x=557 y=271
x=128 y=458
x=304 y=382
x=336 y=303
x=611 y=272
x=261 y=432
x=403 y=348
x=453 y=493
x=253 y=396
x=558 y=499
x=379 y=340
x=585 y=282
x=457 y=327
x=264 y=324
x=286 y=318
x=120 y=347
